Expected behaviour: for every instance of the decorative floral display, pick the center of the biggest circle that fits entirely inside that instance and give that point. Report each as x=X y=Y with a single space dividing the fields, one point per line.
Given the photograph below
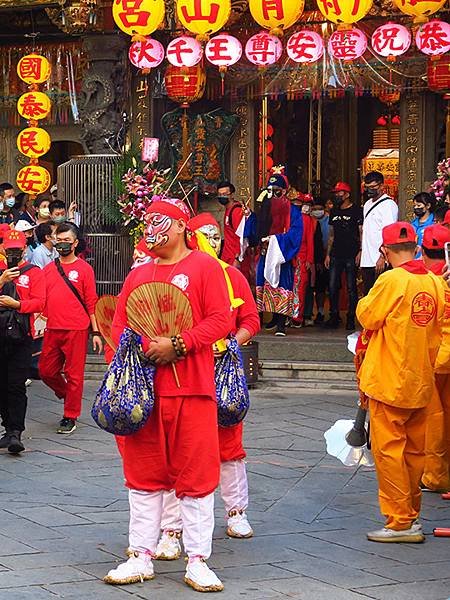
x=442 y=182
x=140 y=191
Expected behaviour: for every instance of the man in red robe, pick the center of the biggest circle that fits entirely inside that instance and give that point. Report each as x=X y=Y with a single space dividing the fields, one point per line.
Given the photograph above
x=178 y=448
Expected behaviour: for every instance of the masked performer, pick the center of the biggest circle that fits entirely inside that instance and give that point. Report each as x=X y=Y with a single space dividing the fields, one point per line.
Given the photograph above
x=178 y=447
x=233 y=475
x=280 y=230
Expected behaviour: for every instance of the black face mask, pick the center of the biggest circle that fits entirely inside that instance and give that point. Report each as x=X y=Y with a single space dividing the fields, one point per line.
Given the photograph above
x=419 y=212
x=64 y=248
x=30 y=241
x=223 y=200
x=338 y=200
x=371 y=193
x=13 y=257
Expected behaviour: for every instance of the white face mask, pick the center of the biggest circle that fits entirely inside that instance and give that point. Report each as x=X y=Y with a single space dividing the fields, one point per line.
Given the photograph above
x=318 y=214
x=1 y=206
x=10 y=202
x=44 y=212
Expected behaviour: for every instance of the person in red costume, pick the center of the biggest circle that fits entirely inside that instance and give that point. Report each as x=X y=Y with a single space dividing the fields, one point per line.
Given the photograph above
x=233 y=476
x=304 y=264
x=70 y=305
x=22 y=290
x=234 y=213
x=178 y=447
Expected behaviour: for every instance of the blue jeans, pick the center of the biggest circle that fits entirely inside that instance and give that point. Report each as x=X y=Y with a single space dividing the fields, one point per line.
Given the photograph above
x=337 y=267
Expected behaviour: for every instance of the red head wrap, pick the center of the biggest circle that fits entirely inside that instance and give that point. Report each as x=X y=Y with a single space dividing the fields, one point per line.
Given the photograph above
x=202 y=220
x=170 y=207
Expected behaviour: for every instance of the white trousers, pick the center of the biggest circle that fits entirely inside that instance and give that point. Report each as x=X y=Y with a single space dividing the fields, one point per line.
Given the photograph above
x=197 y=522
x=233 y=489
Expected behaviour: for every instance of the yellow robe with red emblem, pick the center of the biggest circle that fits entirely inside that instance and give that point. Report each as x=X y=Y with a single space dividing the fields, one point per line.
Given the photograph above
x=404 y=310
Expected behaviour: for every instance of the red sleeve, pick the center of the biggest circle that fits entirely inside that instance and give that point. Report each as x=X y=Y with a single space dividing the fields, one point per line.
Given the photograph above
x=310 y=241
x=247 y=314
x=236 y=216
x=89 y=289
x=36 y=300
x=216 y=322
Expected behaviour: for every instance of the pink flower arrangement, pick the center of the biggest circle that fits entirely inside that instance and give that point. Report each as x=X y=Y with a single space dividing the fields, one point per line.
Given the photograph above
x=140 y=191
x=442 y=182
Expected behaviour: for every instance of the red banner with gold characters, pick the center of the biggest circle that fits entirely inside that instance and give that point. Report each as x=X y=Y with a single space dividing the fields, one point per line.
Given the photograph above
x=33 y=142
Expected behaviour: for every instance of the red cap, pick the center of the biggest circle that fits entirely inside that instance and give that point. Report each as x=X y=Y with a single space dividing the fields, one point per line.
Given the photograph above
x=14 y=239
x=202 y=220
x=4 y=228
x=173 y=208
x=446 y=218
x=399 y=233
x=306 y=198
x=341 y=186
x=435 y=237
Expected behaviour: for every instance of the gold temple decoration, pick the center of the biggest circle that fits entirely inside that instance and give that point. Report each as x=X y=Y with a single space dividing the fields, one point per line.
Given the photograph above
x=77 y=16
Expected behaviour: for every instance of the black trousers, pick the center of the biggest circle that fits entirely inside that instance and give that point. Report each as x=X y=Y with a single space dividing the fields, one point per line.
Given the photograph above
x=369 y=277
x=337 y=267
x=15 y=360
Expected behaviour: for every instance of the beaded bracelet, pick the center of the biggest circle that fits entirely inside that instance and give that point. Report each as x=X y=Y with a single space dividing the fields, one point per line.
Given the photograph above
x=181 y=345
x=174 y=341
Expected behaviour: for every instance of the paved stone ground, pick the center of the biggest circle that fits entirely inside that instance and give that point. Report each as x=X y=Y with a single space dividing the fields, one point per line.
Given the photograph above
x=64 y=516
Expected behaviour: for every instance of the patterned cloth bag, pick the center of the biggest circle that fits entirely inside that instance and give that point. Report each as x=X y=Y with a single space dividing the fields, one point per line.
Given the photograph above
x=233 y=399
x=126 y=396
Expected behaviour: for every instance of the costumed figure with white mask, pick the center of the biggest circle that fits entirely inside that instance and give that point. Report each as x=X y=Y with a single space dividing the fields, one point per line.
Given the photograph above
x=280 y=230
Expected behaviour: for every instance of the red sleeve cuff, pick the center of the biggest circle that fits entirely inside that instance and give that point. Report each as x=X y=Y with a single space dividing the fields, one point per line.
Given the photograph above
x=187 y=338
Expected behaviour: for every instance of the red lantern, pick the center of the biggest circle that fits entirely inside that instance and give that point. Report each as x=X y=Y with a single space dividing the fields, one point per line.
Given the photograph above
x=185 y=85
x=433 y=38
x=347 y=44
x=391 y=40
x=305 y=46
x=184 y=51
x=146 y=54
x=438 y=74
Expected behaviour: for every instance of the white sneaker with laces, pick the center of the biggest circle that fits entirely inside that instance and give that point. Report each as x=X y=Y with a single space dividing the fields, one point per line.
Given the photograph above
x=200 y=577
x=238 y=525
x=413 y=535
x=138 y=568
x=169 y=547
x=28 y=382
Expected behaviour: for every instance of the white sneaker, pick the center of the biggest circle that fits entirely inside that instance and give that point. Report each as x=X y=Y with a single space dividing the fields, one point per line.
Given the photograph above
x=417 y=526
x=28 y=382
x=138 y=568
x=169 y=547
x=413 y=535
x=309 y=322
x=200 y=577
x=238 y=525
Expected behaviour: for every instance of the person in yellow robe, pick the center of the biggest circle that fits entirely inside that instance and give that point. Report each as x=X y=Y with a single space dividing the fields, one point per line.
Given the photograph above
x=404 y=310
x=436 y=475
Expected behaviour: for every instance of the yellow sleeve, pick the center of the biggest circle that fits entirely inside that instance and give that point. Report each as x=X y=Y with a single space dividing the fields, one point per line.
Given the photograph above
x=373 y=309
x=442 y=365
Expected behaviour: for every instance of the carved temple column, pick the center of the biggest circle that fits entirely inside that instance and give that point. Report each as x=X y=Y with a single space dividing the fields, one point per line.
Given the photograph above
x=104 y=94
x=242 y=164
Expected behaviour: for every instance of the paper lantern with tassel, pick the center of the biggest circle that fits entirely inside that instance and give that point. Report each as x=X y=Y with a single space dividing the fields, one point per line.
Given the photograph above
x=433 y=38
x=276 y=15
x=263 y=49
x=203 y=17
x=184 y=51
x=138 y=18
x=347 y=44
x=419 y=9
x=146 y=54
x=223 y=50
x=391 y=40
x=344 y=12
x=185 y=85
x=305 y=46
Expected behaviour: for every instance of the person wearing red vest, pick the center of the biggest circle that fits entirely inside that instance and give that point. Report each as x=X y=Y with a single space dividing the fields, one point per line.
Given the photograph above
x=22 y=291
x=233 y=476
x=70 y=305
x=304 y=263
x=234 y=213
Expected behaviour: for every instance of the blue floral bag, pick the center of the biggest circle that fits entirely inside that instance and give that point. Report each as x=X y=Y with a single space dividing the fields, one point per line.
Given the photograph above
x=126 y=396
x=233 y=399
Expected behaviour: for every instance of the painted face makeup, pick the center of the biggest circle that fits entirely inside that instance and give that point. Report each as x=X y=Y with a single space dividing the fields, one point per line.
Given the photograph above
x=157 y=230
x=212 y=234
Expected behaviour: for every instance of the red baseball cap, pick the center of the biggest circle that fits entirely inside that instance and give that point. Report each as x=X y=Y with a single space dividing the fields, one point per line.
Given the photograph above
x=14 y=239
x=341 y=186
x=399 y=233
x=435 y=237
x=4 y=228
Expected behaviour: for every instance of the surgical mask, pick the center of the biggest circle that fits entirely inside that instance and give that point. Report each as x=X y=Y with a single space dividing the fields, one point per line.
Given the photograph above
x=419 y=212
x=271 y=193
x=223 y=200
x=10 y=202
x=318 y=214
x=63 y=248
x=44 y=212
x=306 y=209
x=1 y=206
x=58 y=219
x=371 y=192
x=13 y=257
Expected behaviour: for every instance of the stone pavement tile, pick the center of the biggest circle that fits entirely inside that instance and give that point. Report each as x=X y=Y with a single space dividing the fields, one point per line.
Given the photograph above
x=431 y=590
x=333 y=573
x=361 y=524
x=309 y=589
x=113 y=516
x=48 y=516
x=410 y=573
x=25 y=530
x=339 y=554
x=429 y=552
x=92 y=590
x=31 y=593
x=42 y=576
x=10 y=547
x=280 y=442
x=289 y=459
x=333 y=513
x=267 y=488
x=68 y=556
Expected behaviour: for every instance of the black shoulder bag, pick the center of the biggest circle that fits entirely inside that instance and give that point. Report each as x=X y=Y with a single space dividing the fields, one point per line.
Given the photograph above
x=71 y=286
x=14 y=326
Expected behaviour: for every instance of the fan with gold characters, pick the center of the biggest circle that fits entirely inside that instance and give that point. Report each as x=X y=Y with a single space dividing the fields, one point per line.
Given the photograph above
x=104 y=314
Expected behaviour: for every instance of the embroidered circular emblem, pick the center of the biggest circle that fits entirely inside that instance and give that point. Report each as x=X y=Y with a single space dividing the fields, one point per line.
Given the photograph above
x=423 y=308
